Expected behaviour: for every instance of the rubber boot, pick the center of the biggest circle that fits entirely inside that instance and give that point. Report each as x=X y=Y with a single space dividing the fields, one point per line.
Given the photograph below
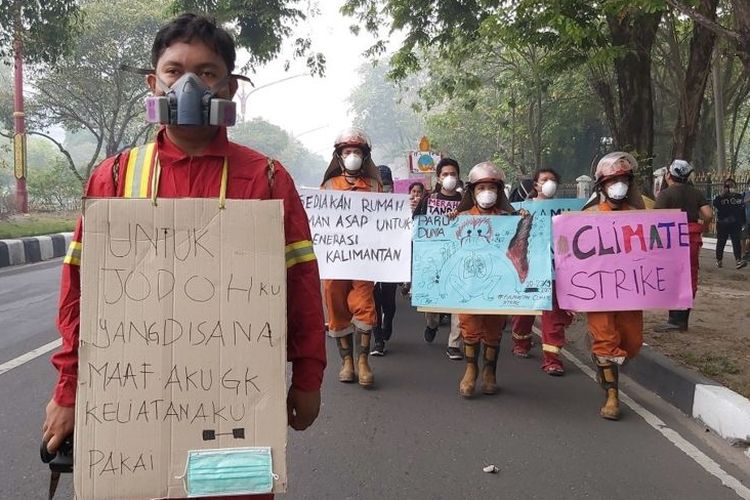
x=364 y=371
x=607 y=375
x=345 y=344
x=489 y=370
x=469 y=380
x=684 y=320
x=672 y=324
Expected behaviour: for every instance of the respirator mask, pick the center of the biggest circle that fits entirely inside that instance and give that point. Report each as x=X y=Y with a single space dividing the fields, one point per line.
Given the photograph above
x=189 y=101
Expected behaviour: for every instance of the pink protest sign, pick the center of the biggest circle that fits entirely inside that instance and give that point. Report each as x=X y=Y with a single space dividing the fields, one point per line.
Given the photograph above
x=622 y=261
x=401 y=186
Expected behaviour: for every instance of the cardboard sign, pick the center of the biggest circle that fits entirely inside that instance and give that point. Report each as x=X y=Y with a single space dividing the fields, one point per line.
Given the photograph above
x=622 y=261
x=423 y=162
x=482 y=264
x=359 y=235
x=183 y=342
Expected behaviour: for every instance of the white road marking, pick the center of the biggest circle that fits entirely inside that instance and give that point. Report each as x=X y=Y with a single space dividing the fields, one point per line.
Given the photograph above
x=33 y=354
x=674 y=437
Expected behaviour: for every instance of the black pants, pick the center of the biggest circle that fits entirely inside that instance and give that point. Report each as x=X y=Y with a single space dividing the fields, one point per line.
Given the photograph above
x=733 y=232
x=385 y=307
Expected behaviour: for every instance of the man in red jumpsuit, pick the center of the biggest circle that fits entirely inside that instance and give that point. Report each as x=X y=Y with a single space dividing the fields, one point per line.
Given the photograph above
x=198 y=161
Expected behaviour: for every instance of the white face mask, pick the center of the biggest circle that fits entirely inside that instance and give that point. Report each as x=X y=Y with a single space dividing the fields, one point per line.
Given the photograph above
x=549 y=188
x=618 y=191
x=449 y=182
x=352 y=162
x=486 y=199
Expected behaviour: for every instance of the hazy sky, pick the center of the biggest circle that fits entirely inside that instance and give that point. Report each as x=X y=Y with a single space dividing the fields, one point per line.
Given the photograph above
x=306 y=103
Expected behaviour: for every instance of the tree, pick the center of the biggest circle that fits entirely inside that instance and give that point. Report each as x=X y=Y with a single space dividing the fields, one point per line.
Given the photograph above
x=261 y=26
x=305 y=167
x=694 y=86
x=45 y=29
x=37 y=31
x=384 y=111
x=607 y=34
x=739 y=36
x=52 y=186
x=87 y=92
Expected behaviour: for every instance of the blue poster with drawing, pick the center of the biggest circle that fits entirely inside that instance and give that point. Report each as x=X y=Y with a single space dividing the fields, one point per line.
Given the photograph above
x=550 y=208
x=482 y=264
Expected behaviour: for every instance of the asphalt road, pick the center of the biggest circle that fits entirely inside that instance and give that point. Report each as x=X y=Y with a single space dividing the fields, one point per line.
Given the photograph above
x=412 y=437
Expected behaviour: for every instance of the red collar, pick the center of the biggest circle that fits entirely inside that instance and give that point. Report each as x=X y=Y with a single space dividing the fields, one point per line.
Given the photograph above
x=170 y=153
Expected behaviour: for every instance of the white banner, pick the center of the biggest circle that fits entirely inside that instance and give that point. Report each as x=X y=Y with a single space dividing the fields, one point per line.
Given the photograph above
x=360 y=236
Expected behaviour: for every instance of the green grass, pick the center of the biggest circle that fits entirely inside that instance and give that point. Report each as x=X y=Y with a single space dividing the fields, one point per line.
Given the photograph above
x=35 y=225
x=712 y=365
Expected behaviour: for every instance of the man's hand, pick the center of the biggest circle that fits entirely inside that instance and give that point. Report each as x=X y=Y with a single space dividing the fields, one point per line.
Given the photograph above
x=58 y=425
x=302 y=408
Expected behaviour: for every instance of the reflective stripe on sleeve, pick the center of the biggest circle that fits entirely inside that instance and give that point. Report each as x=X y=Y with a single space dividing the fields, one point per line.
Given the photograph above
x=299 y=252
x=73 y=257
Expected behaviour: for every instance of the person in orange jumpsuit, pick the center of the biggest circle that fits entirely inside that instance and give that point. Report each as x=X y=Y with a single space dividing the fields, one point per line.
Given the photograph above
x=615 y=336
x=680 y=194
x=350 y=303
x=484 y=195
x=198 y=161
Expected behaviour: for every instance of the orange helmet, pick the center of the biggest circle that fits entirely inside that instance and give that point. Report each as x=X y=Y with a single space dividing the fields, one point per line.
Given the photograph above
x=486 y=172
x=353 y=138
x=615 y=165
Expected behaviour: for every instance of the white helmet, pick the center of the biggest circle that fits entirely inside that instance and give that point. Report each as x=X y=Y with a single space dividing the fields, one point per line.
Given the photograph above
x=355 y=138
x=615 y=165
x=680 y=169
x=486 y=172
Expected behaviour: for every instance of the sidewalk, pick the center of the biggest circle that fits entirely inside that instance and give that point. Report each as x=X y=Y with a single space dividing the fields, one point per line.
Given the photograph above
x=33 y=249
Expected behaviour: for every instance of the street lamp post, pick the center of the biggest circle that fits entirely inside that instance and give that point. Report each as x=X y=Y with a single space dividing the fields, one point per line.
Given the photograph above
x=243 y=96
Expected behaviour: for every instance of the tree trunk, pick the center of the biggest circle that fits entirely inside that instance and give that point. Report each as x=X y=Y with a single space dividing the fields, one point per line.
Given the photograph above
x=741 y=13
x=694 y=86
x=635 y=32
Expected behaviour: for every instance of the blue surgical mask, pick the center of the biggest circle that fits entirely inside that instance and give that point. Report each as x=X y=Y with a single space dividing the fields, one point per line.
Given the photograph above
x=229 y=471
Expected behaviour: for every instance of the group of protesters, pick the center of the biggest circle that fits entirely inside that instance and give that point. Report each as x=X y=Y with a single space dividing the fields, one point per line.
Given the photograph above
x=191 y=157
x=365 y=309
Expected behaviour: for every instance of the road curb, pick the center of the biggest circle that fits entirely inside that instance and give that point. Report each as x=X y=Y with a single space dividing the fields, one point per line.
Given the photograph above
x=33 y=249
x=722 y=410
x=719 y=408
